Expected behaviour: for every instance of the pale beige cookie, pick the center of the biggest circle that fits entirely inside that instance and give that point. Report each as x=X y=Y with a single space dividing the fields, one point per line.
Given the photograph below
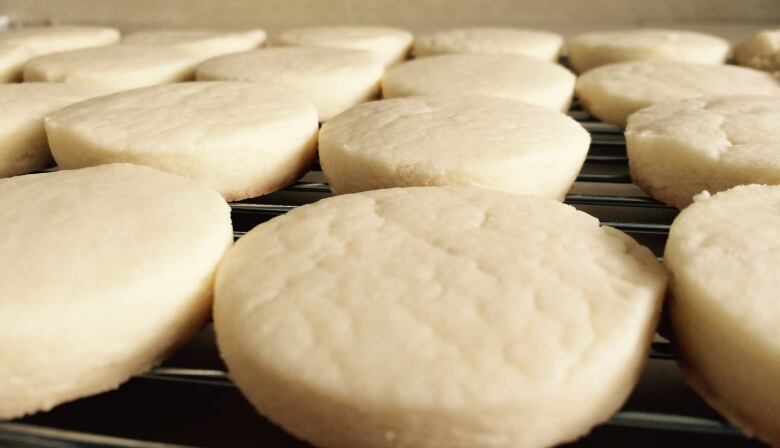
x=482 y=141
x=681 y=148
x=503 y=75
x=391 y=45
x=120 y=67
x=762 y=51
x=535 y=44
x=591 y=50
x=103 y=272
x=724 y=266
x=334 y=79
x=242 y=139
x=23 y=145
x=202 y=43
x=439 y=316
x=613 y=92
x=17 y=46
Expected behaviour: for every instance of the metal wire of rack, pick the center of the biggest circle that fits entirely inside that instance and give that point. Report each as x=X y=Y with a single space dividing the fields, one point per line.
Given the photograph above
x=603 y=189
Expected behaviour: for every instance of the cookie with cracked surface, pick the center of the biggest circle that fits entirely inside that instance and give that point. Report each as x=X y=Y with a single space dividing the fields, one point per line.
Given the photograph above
x=679 y=149
x=334 y=79
x=103 y=272
x=540 y=45
x=613 y=92
x=391 y=45
x=436 y=316
x=202 y=43
x=242 y=139
x=484 y=141
x=591 y=50
x=723 y=257
x=503 y=75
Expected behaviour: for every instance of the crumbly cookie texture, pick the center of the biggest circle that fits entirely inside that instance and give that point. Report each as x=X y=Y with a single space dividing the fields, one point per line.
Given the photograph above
x=724 y=265
x=436 y=316
x=681 y=148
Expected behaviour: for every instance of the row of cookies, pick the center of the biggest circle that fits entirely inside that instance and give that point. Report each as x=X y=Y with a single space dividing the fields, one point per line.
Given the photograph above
x=316 y=377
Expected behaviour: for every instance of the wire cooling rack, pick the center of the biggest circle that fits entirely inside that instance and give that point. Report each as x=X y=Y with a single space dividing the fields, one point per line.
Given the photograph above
x=190 y=401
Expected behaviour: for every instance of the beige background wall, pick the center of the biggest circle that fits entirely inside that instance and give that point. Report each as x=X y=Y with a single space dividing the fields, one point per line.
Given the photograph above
x=733 y=18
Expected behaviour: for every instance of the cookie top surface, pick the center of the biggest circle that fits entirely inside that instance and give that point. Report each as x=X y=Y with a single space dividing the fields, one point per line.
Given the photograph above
x=118 y=67
x=466 y=140
x=453 y=284
x=536 y=44
x=389 y=44
x=509 y=76
x=726 y=249
x=203 y=43
x=80 y=236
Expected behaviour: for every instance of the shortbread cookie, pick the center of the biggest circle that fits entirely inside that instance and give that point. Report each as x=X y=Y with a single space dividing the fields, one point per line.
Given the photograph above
x=243 y=139
x=202 y=43
x=482 y=141
x=762 y=51
x=509 y=76
x=681 y=148
x=391 y=45
x=613 y=92
x=23 y=145
x=438 y=316
x=104 y=271
x=17 y=46
x=591 y=50
x=535 y=44
x=119 y=67
x=334 y=79
x=724 y=266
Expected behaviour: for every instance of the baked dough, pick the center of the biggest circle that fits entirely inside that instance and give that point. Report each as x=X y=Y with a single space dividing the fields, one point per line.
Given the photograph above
x=202 y=43
x=762 y=51
x=242 y=139
x=483 y=141
x=104 y=271
x=724 y=266
x=119 y=67
x=535 y=44
x=438 y=316
x=17 y=46
x=391 y=45
x=681 y=148
x=510 y=76
x=613 y=92
x=23 y=145
x=334 y=79
x=591 y=50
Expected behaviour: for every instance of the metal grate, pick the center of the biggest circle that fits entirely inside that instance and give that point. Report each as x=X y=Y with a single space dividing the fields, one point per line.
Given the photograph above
x=603 y=189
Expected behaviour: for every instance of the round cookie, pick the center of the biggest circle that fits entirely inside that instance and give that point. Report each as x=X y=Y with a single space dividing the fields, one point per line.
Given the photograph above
x=334 y=79
x=202 y=43
x=509 y=76
x=762 y=51
x=591 y=50
x=391 y=45
x=681 y=148
x=482 y=141
x=120 y=67
x=104 y=271
x=23 y=145
x=438 y=316
x=242 y=139
x=725 y=276
x=535 y=44
x=17 y=46
x=613 y=92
